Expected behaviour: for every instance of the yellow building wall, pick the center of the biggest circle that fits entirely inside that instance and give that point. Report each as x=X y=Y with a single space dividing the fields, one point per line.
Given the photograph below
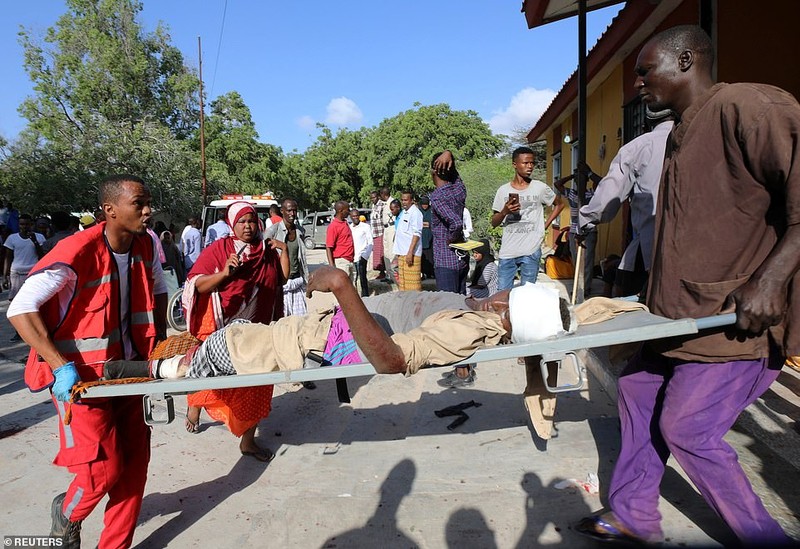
x=755 y=42
x=604 y=120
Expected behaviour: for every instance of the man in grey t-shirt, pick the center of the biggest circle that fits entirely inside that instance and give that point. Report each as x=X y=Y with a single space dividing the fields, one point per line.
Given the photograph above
x=519 y=207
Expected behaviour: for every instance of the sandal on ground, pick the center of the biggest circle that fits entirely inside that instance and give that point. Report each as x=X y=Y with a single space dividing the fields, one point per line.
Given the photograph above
x=192 y=426
x=605 y=528
x=262 y=454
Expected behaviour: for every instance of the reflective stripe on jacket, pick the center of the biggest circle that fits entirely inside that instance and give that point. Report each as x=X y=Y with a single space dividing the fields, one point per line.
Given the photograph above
x=89 y=334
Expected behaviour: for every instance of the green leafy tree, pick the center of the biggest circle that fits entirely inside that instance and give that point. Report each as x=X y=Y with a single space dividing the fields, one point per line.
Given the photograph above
x=43 y=176
x=97 y=64
x=108 y=99
x=32 y=175
x=540 y=158
x=398 y=152
x=330 y=168
x=236 y=162
x=290 y=182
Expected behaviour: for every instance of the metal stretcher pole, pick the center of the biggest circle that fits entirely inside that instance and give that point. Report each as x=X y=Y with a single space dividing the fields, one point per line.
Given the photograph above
x=573 y=364
x=627 y=328
x=715 y=321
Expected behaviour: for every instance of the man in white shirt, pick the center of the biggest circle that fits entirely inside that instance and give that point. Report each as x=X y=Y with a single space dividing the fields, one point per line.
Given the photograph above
x=218 y=230
x=362 y=242
x=635 y=175
x=23 y=250
x=467 y=218
x=191 y=242
x=408 y=244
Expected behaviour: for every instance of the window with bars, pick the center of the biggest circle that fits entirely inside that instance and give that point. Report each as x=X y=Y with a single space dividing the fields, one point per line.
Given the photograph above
x=557 y=166
x=634 y=120
x=575 y=152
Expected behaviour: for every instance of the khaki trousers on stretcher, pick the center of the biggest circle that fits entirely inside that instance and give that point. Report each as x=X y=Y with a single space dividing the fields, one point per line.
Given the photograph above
x=442 y=338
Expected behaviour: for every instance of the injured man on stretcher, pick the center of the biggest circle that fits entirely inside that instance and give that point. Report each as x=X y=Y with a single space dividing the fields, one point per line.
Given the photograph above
x=397 y=332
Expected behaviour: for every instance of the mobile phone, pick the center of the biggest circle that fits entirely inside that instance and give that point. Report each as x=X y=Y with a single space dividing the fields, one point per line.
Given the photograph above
x=513 y=197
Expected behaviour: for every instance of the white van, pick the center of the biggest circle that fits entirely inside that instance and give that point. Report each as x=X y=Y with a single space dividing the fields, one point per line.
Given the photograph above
x=262 y=202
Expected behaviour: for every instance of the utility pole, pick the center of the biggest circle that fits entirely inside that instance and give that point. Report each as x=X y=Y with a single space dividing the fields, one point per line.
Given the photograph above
x=580 y=179
x=202 y=127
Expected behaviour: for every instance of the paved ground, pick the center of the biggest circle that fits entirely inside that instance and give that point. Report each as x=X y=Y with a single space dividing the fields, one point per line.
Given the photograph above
x=385 y=471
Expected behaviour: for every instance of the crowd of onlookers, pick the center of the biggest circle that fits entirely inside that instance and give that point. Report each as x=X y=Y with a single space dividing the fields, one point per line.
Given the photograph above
x=26 y=239
x=407 y=238
x=414 y=238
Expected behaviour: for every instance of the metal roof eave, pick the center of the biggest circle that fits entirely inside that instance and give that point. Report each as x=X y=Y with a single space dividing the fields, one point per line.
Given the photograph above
x=637 y=20
x=542 y=12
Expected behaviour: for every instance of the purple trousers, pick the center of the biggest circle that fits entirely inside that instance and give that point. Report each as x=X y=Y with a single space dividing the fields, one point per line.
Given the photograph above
x=681 y=408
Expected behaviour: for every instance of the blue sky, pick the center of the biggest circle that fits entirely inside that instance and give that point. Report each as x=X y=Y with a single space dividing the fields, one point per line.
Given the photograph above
x=345 y=64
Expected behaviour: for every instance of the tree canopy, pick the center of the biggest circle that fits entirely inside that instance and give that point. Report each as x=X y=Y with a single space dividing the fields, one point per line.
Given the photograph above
x=236 y=162
x=98 y=66
x=111 y=97
x=398 y=152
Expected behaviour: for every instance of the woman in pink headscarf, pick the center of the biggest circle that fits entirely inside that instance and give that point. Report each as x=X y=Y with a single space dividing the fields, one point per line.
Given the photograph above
x=236 y=277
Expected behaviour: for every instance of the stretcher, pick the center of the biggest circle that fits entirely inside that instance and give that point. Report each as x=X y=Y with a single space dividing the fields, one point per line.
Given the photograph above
x=629 y=327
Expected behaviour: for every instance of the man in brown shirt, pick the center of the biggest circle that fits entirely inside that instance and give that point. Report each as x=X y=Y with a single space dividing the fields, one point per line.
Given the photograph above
x=727 y=236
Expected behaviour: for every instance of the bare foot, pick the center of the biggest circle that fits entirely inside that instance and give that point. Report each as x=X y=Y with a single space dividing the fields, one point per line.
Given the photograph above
x=261 y=454
x=193 y=419
x=248 y=447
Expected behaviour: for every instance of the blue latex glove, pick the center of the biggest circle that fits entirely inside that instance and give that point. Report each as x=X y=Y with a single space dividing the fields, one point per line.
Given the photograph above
x=66 y=378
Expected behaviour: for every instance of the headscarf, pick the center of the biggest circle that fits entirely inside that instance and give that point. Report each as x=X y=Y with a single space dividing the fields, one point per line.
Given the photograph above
x=235 y=212
x=259 y=268
x=486 y=258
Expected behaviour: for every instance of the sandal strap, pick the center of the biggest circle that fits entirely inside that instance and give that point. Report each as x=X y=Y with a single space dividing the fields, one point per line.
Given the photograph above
x=608 y=527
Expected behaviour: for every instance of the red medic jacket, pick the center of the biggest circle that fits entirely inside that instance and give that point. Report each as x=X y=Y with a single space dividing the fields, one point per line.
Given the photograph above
x=90 y=332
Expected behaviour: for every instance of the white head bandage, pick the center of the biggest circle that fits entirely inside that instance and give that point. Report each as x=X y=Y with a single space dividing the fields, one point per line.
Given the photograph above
x=534 y=312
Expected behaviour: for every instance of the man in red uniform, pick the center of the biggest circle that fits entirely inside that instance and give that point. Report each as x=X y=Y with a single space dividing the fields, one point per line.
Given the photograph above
x=99 y=296
x=339 y=241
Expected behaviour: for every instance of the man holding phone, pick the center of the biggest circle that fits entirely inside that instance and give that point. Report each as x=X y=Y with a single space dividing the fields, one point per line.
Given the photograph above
x=519 y=207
